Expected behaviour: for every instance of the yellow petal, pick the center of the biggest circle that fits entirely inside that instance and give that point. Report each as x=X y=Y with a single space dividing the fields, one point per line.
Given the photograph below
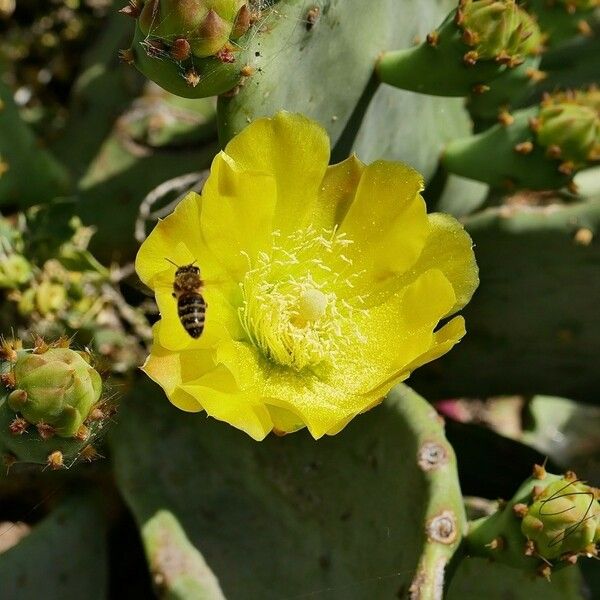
x=219 y=395
x=443 y=341
x=401 y=328
x=387 y=222
x=176 y=238
x=237 y=214
x=448 y=248
x=171 y=369
x=295 y=151
x=337 y=192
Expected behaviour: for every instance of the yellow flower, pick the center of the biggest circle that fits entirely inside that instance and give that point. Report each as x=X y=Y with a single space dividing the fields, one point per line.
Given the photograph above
x=324 y=285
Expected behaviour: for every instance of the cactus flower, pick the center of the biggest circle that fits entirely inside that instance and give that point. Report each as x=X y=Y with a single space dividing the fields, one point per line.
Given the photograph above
x=563 y=519
x=57 y=387
x=324 y=286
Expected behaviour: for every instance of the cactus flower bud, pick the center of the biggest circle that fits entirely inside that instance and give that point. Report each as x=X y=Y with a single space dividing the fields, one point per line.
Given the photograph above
x=476 y=44
x=178 y=42
x=57 y=388
x=50 y=407
x=563 y=519
x=571 y=123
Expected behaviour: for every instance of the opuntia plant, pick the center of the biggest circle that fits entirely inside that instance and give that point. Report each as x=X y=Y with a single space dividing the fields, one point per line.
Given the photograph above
x=279 y=215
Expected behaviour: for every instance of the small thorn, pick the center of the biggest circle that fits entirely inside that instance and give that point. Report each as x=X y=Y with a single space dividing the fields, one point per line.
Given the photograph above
x=90 y=454
x=312 y=16
x=570 y=558
x=433 y=39
x=459 y=17
x=8 y=380
x=503 y=58
x=524 y=147
x=529 y=548
x=45 y=430
x=545 y=571
x=567 y=168
x=40 y=345
x=82 y=434
x=18 y=426
x=539 y=472
x=554 y=151
x=133 y=9
x=470 y=58
x=496 y=544
x=480 y=88
x=56 y=460
x=505 y=118
x=225 y=55
x=192 y=78
x=154 y=48
x=247 y=71
x=520 y=510
x=536 y=492
x=470 y=38
x=127 y=56
x=535 y=75
x=180 y=50
x=571 y=475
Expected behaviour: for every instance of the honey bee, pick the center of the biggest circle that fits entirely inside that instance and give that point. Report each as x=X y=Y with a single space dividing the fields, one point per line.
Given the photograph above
x=191 y=306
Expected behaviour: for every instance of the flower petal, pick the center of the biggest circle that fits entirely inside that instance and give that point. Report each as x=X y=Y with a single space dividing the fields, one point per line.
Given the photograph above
x=220 y=397
x=238 y=208
x=448 y=248
x=387 y=222
x=337 y=192
x=295 y=151
x=401 y=328
x=176 y=238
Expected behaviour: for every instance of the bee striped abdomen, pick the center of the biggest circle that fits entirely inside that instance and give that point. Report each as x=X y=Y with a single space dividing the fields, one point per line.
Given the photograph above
x=191 y=309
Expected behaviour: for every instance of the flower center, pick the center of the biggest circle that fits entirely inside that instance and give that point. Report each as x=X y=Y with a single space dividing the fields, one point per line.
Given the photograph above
x=291 y=307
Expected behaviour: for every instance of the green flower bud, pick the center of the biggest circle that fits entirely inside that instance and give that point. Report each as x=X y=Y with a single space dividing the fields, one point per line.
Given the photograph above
x=563 y=519
x=499 y=30
x=206 y=24
x=569 y=127
x=57 y=388
x=14 y=271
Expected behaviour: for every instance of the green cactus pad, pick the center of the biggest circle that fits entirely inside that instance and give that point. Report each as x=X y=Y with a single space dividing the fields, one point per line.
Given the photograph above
x=476 y=43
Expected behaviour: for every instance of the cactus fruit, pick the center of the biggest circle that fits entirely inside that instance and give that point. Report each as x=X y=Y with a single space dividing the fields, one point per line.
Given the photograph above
x=550 y=521
x=560 y=20
x=50 y=402
x=189 y=47
x=538 y=148
x=564 y=520
x=477 y=43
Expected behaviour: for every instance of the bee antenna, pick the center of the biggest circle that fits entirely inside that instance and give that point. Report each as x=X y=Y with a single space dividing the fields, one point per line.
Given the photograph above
x=173 y=263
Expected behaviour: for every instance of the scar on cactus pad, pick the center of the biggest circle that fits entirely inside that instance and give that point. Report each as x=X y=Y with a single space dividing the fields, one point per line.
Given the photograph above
x=51 y=405
x=192 y=48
